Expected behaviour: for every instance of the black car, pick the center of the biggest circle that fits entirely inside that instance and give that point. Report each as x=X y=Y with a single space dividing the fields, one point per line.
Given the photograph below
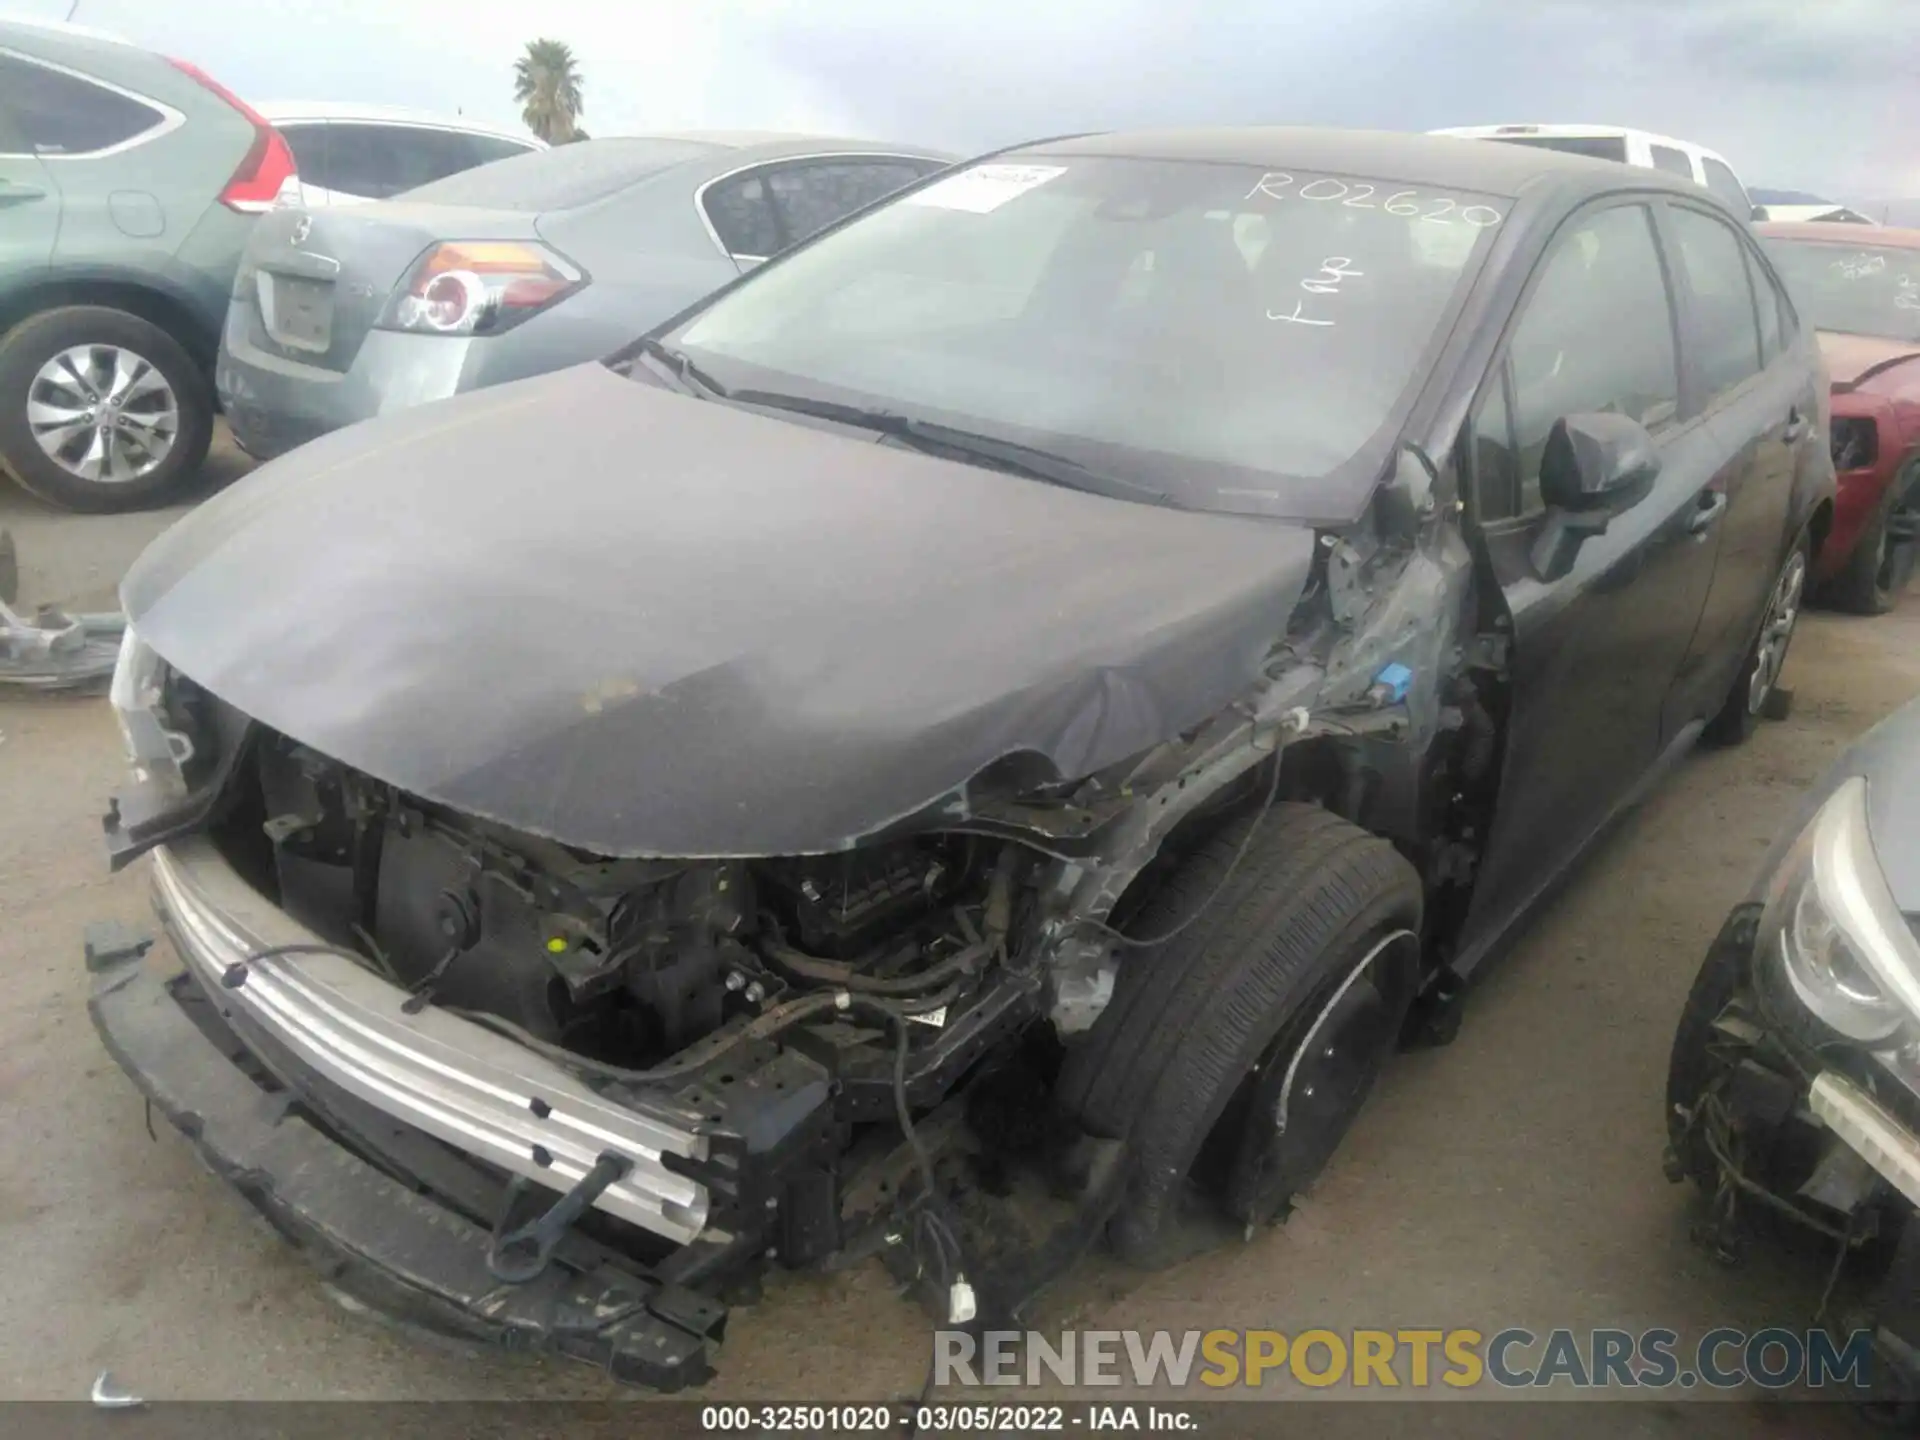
x=1034 y=692
x=1794 y=1091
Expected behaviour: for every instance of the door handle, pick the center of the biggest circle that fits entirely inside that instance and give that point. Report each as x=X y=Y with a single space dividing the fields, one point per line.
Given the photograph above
x=11 y=194
x=1713 y=504
x=1796 y=426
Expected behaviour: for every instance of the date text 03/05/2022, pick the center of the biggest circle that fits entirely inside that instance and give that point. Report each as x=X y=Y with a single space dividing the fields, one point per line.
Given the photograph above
x=945 y=1419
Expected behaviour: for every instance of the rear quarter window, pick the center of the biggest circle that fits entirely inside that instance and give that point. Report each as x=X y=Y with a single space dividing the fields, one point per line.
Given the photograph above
x=62 y=114
x=1599 y=147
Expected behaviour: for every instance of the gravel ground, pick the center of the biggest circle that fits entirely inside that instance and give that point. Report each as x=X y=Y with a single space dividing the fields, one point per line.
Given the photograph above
x=1510 y=1179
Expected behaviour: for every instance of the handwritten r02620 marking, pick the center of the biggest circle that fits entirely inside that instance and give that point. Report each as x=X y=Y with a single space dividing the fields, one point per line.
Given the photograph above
x=1359 y=195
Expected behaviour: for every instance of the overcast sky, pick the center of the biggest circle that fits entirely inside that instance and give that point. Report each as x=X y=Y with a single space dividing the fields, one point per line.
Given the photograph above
x=1806 y=94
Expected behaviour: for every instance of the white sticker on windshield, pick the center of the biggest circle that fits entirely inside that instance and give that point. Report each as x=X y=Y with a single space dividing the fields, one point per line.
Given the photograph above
x=985 y=187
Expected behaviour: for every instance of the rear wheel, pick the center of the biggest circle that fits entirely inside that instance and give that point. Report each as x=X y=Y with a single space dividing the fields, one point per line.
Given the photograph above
x=100 y=410
x=1882 y=562
x=1234 y=1057
x=1759 y=673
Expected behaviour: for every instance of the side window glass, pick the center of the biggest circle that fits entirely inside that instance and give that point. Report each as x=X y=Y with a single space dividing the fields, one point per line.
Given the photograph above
x=1496 y=478
x=811 y=197
x=309 y=145
x=1673 y=161
x=65 y=115
x=360 y=161
x=1724 y=183
x=741 y=213
x=1725 y=341
x=421 y=156
x=1767 y=306
x=1596 y=335
x=489 y=148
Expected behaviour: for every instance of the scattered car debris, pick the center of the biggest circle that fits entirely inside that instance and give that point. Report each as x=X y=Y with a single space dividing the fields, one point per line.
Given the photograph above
x=108 y=1396
x=53 y=650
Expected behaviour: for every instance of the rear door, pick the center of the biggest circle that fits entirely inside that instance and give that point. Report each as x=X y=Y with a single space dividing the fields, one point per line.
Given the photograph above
x=1595 y=650
x=29 y=200
x=1756 y=405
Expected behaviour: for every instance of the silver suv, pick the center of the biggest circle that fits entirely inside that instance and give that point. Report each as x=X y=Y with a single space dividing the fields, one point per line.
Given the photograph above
x=128 y=184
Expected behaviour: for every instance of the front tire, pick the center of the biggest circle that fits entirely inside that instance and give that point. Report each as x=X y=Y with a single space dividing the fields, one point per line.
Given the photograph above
x=1753 y=687
x=101 y=411
x=1285 y=997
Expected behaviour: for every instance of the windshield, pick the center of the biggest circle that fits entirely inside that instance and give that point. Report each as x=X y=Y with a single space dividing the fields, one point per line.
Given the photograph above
x=1231 y=338
x=1858 y=289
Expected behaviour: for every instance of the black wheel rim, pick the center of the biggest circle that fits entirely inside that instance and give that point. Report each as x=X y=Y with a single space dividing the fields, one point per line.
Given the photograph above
x=1897 y=546
x=1310 y=1083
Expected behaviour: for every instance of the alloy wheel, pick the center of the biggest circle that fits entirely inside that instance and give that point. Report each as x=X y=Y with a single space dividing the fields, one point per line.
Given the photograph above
x=103 y=413
x=1776 y=632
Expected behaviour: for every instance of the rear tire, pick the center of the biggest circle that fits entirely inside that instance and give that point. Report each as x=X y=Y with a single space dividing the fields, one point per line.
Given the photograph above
x=1207 y=1035
x=162 y=397
x=1878 y=571
x=1752 y=690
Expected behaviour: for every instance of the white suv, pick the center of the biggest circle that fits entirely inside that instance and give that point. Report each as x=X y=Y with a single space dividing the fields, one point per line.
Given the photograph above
x=348 y=154
x=1631 y=147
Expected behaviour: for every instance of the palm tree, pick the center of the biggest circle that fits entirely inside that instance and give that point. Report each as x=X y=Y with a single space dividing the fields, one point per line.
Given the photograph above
x=546 y=82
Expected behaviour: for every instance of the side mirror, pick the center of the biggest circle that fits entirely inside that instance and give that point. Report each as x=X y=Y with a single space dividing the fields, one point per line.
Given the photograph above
x=1759 y=213
x=1594 y=467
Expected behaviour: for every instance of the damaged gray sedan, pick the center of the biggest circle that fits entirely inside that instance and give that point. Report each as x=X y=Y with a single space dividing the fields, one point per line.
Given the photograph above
x=983 y=735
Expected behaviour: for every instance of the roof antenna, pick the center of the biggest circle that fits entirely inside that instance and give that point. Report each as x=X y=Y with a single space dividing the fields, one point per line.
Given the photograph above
x=70 y=12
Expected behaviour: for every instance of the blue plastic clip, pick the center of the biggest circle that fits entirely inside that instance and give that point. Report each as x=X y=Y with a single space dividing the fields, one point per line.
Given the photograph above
x=1390 y=685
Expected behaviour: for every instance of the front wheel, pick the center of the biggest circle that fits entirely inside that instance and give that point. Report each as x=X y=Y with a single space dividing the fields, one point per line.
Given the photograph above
x=1753 y=687
x=100 y=410
x=1234 y=1056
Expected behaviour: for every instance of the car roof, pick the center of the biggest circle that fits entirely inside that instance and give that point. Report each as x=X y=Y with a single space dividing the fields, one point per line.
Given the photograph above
x=772 y=144
x=17 y=27
x=1840 y=232
x=285 y=111
x=1572 y=129
x=1375 y=155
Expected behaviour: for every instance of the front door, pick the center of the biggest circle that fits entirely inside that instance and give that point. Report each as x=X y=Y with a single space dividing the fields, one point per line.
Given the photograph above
x=1594 y=650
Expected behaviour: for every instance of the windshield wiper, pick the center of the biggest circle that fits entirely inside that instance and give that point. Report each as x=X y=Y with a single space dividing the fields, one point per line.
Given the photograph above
x=932 y=437
x=682 y=368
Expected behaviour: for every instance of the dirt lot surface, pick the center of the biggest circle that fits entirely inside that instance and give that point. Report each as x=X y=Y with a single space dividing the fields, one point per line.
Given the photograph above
x=1510 y=1179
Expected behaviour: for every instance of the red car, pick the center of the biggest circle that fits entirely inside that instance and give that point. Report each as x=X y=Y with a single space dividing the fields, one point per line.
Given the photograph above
x=1859 y=286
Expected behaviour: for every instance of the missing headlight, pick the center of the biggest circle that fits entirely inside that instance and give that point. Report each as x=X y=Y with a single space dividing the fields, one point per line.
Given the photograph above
x=1855 y=442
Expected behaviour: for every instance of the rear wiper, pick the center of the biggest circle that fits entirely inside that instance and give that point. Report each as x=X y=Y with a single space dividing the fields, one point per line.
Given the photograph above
x=932 y=437
x=682 y=367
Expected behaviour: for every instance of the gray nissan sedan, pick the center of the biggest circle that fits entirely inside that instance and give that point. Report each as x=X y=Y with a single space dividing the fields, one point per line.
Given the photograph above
x=517 y=268
x=1795 y=1082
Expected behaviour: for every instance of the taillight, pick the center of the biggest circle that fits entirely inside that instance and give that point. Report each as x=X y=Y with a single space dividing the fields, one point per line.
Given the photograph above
x=479 y=287
x=268 y=163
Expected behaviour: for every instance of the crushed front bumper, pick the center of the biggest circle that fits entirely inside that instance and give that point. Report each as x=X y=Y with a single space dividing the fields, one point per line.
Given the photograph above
x=381 y=1143
x=464 y=1084
x=376 y=1240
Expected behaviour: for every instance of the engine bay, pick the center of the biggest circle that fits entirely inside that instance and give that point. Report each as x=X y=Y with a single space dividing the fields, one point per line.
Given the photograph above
x=628 y=961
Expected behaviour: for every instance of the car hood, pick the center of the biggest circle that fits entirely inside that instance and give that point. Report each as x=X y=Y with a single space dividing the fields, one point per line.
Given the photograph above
x=645 y=624
x=1887 y=757
x=1854 y=359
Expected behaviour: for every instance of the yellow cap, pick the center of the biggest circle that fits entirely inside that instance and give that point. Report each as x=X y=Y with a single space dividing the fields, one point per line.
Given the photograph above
x=556 y=945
